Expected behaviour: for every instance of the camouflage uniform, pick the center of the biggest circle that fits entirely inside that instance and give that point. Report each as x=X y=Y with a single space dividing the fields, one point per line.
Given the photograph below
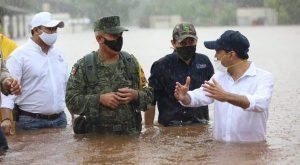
x=84 y=89
x=3 y=75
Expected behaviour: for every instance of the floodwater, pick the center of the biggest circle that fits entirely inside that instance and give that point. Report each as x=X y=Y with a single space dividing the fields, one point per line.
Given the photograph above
x=272 y=48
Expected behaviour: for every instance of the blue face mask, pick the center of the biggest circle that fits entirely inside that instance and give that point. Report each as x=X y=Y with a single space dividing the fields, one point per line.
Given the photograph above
x=186 y=52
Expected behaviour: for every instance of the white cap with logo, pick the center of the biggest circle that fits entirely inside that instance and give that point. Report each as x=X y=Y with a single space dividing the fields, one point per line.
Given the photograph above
x=45 y=19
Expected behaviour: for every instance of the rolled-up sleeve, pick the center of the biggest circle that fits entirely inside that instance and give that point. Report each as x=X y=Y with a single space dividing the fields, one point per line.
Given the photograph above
x=7 y=101
x=260 y=100
x=198 y=98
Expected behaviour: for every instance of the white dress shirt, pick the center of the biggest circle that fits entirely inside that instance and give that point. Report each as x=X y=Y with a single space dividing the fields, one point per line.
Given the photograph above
x=233 y=123
x=43 y=78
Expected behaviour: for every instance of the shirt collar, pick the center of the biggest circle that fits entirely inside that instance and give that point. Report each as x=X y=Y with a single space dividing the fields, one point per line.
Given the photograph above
x=251 y=71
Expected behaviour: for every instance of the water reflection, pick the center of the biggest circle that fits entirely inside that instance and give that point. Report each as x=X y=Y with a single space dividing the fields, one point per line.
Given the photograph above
x=156 y=145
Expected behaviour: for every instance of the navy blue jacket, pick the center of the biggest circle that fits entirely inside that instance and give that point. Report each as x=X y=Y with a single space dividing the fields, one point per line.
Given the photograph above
x=164 y=74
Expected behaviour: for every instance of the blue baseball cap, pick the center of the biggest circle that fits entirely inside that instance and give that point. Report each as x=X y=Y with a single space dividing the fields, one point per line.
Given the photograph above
x=230 y=41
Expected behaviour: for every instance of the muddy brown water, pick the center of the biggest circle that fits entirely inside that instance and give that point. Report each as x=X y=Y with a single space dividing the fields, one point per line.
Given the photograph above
x=273 y=48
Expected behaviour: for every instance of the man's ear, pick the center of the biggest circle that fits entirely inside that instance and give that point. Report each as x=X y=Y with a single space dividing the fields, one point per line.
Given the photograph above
x=100 y=39
x=173 y=43
x=233 y=55
x=35 y=31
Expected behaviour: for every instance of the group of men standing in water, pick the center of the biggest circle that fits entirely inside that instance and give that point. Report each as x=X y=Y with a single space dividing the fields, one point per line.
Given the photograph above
x=107 y=89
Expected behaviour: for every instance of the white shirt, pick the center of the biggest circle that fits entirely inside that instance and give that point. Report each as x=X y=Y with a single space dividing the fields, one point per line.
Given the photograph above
x=43 y=78
x=233 y=123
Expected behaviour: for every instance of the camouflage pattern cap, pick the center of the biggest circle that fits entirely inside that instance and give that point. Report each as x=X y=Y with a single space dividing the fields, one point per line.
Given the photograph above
x=184 y=30
x=109 y=25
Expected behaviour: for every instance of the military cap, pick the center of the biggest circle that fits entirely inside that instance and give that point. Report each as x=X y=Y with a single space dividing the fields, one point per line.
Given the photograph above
x=109 y=25
x=184 y=30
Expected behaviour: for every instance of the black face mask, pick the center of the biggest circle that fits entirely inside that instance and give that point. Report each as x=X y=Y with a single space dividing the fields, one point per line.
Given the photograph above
x=186 y=52
x=115 y=45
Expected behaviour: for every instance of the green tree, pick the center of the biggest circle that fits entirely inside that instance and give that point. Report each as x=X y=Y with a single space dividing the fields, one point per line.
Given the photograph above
x=288 y=10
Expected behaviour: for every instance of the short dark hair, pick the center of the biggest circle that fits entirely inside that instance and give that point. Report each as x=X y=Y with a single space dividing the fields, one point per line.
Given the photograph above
x=244 y=57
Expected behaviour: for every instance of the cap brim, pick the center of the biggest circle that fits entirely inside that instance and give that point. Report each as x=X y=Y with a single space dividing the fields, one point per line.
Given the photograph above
x=115 y=30
x=211 y=45
x=55 y=23
x=181 y=38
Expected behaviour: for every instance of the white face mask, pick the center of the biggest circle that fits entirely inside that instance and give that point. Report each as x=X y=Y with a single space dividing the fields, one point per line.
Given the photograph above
x=219 y=66
x=48 y=39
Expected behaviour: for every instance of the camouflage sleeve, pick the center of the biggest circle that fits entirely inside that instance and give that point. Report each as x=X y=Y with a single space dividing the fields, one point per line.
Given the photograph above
x=77 y=99
x=145 y=92
x=142 y=79
x=3 y=75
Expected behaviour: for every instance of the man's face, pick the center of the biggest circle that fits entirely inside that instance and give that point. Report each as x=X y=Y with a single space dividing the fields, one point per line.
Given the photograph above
x=223 y=56
x=110 y=42
x=220 y=54
x=189 y=41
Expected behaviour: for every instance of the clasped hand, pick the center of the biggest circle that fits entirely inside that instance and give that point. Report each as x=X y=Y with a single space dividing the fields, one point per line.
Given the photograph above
x=12 y=85
x=115 y=99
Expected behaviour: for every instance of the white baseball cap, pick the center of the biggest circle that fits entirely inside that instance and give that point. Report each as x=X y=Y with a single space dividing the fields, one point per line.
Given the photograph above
x=45 y=19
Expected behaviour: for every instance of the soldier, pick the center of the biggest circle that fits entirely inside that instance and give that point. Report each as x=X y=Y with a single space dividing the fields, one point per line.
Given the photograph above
x=105 y=88
x=7 y=46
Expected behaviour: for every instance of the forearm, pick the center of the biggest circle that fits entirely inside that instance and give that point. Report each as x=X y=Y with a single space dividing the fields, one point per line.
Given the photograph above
x=237 y=100
x=149 y=115
x=6 y=113
x=196 y=98
x=77 y=103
